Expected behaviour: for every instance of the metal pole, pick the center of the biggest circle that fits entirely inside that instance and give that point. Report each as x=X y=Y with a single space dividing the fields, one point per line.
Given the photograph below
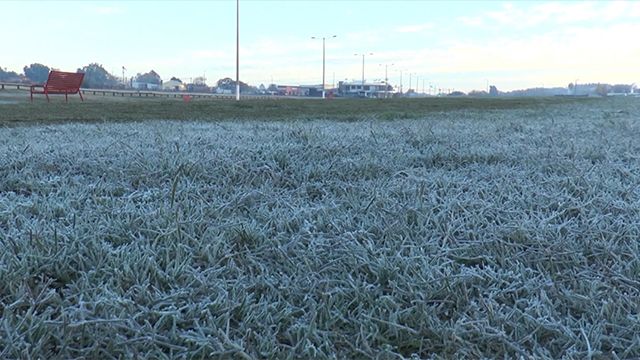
x=386 y=82
x=409 y=83
x=323 y=52
x=362 y=72
x=237 y=50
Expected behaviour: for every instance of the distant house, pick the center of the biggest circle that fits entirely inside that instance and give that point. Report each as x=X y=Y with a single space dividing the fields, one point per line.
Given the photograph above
x=291 y=90
x=148 y=81
x=173 y=85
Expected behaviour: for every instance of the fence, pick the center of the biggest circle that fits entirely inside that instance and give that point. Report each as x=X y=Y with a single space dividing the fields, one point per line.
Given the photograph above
x=136 y=93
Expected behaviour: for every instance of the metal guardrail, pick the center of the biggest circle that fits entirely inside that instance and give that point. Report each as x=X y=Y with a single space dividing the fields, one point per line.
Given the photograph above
x=16 y=86
x=147 y=93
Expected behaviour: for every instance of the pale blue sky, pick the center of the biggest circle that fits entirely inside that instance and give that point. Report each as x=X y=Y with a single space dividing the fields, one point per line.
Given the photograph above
x=455 y=44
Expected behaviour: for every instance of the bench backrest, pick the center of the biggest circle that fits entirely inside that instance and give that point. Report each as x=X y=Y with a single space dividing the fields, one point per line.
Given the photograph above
x=64 y=81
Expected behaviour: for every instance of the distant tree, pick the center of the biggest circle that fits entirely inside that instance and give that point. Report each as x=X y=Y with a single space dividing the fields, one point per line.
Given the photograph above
x=272 y=88
x=151 y=77
x=457 y=93
x=37 y=73
x=493 y=90
x=200 y=80
x=602 y=90
x=621 y=88
x=173 y=78
x=96 y=77
x=478 y=93
x=6 y=75
x=230 y=84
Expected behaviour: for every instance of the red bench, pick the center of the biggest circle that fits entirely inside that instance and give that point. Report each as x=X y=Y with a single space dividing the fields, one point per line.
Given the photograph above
x=60 y=82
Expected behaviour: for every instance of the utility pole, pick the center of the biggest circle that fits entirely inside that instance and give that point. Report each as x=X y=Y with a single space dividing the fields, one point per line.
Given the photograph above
x=363 y=55
x=237 y=50
x=386 y=80
x=323 y=62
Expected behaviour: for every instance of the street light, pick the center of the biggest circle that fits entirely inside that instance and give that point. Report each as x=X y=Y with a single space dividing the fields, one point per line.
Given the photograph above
x=323 y=60
x=410 y=82
x=386 y=80
x=363 y=55
x=402 y=81
x=237 y=50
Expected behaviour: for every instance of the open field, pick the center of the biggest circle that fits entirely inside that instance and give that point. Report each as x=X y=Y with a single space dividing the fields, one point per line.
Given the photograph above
x=407 y=229
x=16 y=108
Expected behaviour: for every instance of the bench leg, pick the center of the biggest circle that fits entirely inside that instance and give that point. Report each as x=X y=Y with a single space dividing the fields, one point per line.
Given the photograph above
x=80 y=93
x=31 y=97
x=66 y=97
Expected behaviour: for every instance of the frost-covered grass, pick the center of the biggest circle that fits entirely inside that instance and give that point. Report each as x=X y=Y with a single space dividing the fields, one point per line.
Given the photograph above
x=477 y=233
x=15 y=108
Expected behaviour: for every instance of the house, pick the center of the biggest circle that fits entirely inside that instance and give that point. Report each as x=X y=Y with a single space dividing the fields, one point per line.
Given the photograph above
x=291 y=90
x=147 y=81
x=368 y=90
x=173 y=85
x=145 y=86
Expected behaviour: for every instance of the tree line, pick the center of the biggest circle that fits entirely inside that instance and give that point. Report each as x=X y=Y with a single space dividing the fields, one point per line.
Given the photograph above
x=97 y=77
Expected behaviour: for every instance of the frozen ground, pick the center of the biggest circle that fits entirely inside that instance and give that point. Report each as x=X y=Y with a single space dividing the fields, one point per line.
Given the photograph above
x=463 y=234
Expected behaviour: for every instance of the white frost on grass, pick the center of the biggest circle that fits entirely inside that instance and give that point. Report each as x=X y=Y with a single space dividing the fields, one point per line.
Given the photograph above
x=466 y=234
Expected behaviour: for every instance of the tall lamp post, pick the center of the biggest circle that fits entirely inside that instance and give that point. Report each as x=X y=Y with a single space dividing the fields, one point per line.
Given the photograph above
x=237 y=50
x=409 y=83
x=386 y=80
x=363 y=55
x=323 y=61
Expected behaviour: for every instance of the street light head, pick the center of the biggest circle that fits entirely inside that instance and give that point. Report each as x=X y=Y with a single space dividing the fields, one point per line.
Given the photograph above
x=313 y=37
x=334 y=36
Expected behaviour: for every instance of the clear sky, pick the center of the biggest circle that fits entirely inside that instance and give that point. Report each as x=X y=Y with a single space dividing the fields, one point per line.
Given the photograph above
x=452 y=44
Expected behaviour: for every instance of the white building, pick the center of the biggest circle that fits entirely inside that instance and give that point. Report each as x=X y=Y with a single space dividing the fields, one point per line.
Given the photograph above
x=173 y=85
x=145 y=86
x=358 y=89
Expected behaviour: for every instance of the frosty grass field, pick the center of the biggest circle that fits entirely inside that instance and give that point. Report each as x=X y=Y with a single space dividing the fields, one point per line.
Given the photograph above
x=478 y=232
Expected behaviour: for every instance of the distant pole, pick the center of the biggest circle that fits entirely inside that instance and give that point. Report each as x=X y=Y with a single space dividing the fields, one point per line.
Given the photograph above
x=323 y=69
x=237 y=50
x=363 y=54
x=124 y=80
x=386 y=82
x=400 y=82
x=362 y=71
x=323 y=64
x=386 y=79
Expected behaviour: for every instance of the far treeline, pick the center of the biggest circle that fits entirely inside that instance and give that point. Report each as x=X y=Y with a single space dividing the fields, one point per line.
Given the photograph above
x=97 y=77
